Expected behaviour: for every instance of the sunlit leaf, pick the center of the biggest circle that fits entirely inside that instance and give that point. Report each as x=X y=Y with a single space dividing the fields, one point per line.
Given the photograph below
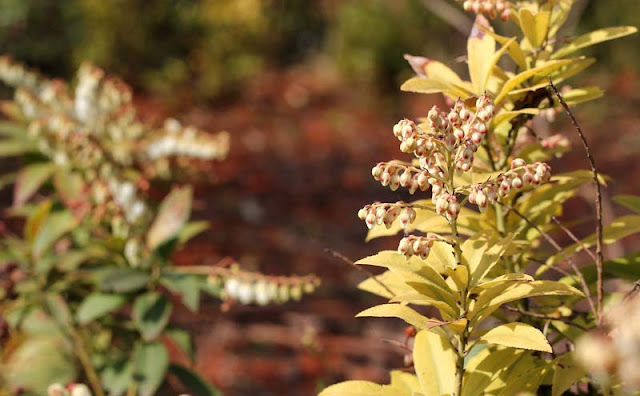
x=517 y=335
x=434 y=361
x=362 y=388
x=518 y=79
x=480 y=50
x=592 y=38
x=534 y=26
x=399 y=311
x=566 y=373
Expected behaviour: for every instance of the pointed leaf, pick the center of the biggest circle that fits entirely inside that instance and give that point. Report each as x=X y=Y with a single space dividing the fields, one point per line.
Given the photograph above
x=183 y=340
x=29 y=180
x=566 y=373
x=435 y=362
x=534 y=26
x=172 y=215
x=150 y=314
x=518 y=79
x=361 y=388
x=480 y=50
x=150 y=362
x=631 y=202
x=122 y=280
x=592 y=38
x=196 y=385
x=396 y=311
x=517 y=335
x=53 y=228
x=97 y=304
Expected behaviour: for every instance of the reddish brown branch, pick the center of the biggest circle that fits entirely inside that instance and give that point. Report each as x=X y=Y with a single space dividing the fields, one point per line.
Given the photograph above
x=600 y=257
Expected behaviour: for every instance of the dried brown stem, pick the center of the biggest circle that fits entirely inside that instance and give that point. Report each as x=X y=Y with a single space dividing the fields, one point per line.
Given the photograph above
x=600 y=257
x=552 y=242
x=370 y=274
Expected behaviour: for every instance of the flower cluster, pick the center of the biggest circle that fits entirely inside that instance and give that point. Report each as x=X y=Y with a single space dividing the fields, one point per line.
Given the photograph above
x=492 y=8
x=386 y=213
x=618 y=352
x=255 y=288
x=73 y=389
x=412 y=245
x=93 y=131
x=520 y=176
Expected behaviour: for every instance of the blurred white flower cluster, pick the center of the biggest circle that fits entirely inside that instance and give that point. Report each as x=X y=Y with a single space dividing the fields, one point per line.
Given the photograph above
x=616 y=353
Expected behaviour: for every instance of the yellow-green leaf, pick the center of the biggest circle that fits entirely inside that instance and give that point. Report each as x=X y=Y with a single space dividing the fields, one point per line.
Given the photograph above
x=362 y=388
x=29 y=180
x=566 y=373
x=492 y=298
x=480 y=50
x=534 y=26
x=399 y=311
x=405 y=381
x=388 y=279
x=508 y=115
x=618 y=229
x=435 y=362
x=631 y=202
x=460 y=276
x=592 y=38
x=518 y=79
x=581 y=95
x=413 y=297
x=424 y=85
x=517 y=335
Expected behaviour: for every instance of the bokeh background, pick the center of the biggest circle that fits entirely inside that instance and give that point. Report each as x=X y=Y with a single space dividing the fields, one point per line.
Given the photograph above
x=309 y=91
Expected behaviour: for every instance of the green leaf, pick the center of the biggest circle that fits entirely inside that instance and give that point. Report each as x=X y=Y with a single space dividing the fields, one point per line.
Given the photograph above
x=435 y=362
x=29 y=180
x=151 y=312
x=517 y=335
x=52 y=229
x=150 y=362
x=186 y=285
x=58 y=309
x=173 y=213
x=518 y=79
x=37 y=362
x=618 y=229
x=361 y=388
x=193 y=382
x=122 y=280
x=36 y=219
x=487 y=370
x=581 y=95
x=15 y=147
x=97 y=304
x=117 y=376
x=631 y=202
x=191 y=229
x=183 y=340
x=12 y=129
x=592 y=38
x=492 y=298
x=566 y=373
x=509 y=115
x=396 y=311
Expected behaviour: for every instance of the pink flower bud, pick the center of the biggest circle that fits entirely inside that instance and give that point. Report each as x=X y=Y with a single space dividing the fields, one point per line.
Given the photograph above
x=518 y=163
x=405 y=179
x=516 y=183
x=362 y=213
x=404 y=247
x=370 y=220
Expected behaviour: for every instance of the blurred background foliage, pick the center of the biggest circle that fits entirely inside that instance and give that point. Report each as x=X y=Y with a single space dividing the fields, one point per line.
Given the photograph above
x=210 y=46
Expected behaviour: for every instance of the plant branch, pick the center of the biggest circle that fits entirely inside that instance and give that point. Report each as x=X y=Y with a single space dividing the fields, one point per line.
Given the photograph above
x=546 y=317
x=552 y=242
x=600 y=257
x=370 y=274
x=573 y=237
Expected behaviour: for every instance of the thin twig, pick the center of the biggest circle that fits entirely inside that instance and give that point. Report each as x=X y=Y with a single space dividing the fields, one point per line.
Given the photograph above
x=600 y=257
x=346 y=260
x=573 y=237
x=543 y=316
x=633 y=291
x=555 y=245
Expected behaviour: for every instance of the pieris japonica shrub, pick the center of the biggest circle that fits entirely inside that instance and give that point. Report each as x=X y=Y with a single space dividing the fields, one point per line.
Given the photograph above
x=85 y=292
x=471 y=274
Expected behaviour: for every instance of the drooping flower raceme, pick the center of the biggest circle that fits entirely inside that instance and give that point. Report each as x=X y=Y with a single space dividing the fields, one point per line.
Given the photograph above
x=445 y=145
